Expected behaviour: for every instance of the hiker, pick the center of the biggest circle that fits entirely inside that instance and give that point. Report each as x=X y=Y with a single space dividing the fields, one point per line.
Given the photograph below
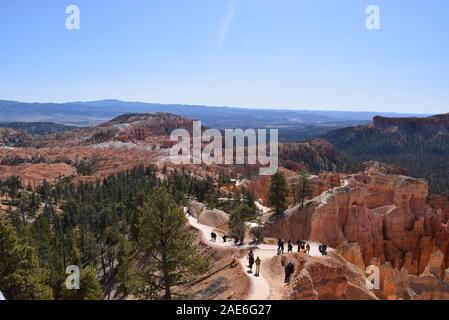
x=324 y=248
x=298 y=243
x=303 y=245
x=213 y=236
x=290 y=246
x=289 y=269
x=225 y=238
x=250 y=261
x=282 y=246
x=307 y=249
x=236 y=241
x=279 y=246
x=257 y=267
x=188 y=212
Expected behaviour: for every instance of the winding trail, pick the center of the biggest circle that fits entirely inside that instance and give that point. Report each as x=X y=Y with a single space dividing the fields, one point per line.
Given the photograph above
x=260 y=287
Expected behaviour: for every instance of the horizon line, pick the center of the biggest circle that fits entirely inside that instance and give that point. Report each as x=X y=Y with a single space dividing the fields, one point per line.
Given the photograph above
x=268 y=108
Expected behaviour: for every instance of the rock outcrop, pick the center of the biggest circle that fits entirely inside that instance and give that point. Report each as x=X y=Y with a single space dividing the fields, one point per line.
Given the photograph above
x=196 y=208
x=214 y=218
x=325 y=278
x=353 y=254
x=386 y=215
x=11 y=137
x=434 y=123
x=432 y=284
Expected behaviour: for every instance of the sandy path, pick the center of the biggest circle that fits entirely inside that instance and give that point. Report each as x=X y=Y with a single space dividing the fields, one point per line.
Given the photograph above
x=260 y=287
x=205 y=234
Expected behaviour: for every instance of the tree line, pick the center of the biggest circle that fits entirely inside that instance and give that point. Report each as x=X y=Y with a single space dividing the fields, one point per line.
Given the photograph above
x=126 y=233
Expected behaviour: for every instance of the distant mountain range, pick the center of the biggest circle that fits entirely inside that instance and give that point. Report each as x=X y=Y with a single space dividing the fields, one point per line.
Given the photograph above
x=294 y=125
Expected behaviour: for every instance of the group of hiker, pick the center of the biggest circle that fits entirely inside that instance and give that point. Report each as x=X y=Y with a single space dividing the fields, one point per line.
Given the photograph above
x=289 y=268
x=252 y=261
x=302 y=246
x=237 y=241
x=322 y=248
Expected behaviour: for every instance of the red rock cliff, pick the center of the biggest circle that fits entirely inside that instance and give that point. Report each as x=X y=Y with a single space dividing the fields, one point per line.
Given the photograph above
x=387 y=215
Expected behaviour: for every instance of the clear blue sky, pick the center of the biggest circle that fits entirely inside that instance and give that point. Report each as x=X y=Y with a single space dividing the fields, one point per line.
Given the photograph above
x=314 y=54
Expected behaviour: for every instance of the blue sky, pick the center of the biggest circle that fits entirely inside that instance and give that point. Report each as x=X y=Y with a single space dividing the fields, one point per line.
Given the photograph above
x=307 y=54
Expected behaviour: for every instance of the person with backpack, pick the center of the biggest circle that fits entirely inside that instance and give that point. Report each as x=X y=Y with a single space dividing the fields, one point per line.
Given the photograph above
x=289 y=269
x=307 y=249
x=250 y=261
x=282 y=246
x=258 y=261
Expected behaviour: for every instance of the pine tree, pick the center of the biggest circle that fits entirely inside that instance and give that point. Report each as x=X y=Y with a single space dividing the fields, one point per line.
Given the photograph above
x=277 y=194
x=125 y=267
x=211 y=199
x=249 y=198
x=258 y=231
x=163 y=238
x=237 y=219
x=21 y=275
x=302 y=188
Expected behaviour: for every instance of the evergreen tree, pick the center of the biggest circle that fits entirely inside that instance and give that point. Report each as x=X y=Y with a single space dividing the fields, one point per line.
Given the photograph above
x=237 y=227
x=21 y=275
x=302 y=188
x=277 y=194
x=125 y=267
x=211 y=199
x=249 y=198
x=257 y=231
x=172 y=258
